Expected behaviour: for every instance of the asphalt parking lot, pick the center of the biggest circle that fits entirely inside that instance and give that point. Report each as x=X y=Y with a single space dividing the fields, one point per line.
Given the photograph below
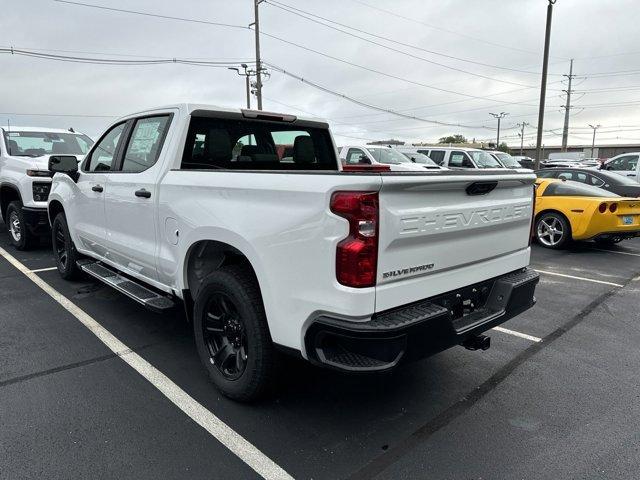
x=556 y=396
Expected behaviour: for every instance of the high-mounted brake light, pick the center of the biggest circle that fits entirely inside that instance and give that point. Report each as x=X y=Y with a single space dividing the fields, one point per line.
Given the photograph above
x=613 y=207
x=357 y=254
x=262 y=115
x=602 y=207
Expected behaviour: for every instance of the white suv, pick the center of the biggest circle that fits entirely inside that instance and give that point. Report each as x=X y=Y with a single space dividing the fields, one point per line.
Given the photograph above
x=378 y=155
x=460 y=157
x=25 y=179
x=626 y=164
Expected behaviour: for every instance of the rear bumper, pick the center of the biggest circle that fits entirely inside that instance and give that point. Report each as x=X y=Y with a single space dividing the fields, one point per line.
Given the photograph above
x=419 y=329
x=613 y=235
x=36 y=220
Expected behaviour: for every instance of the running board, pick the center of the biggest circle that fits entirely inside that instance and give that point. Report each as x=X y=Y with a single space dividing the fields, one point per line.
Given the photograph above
x=150 y=299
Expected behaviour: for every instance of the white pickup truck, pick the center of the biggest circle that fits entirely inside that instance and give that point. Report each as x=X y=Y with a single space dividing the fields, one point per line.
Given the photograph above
x=247 y=218
x=25 y=178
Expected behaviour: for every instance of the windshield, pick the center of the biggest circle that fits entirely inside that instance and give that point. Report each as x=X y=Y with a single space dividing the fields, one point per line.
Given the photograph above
x=484 y=160
x=388 y=156
x=420 y=158
x=36 y=144
x=507 y=160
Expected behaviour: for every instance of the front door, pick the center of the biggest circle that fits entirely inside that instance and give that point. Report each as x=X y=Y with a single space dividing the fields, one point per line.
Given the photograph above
x=131 y=198
x=87 y=213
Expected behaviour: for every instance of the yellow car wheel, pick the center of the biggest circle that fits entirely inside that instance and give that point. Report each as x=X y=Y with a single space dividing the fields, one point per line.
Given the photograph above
x=552 y=230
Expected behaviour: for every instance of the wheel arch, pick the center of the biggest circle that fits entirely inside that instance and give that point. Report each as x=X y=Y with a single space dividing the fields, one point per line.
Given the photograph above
x=8 y=193
x=55 y=207
x=205 y=256
x=557 y=212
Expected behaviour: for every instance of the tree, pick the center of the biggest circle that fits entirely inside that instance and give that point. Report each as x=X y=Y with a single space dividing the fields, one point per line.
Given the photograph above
x=457 y=138
x=504 y=148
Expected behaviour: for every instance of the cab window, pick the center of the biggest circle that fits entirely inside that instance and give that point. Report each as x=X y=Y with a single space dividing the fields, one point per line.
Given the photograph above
x=102 y=156
x=145 y=143
x=354 y=157
x=435 y=155
x=460 y=159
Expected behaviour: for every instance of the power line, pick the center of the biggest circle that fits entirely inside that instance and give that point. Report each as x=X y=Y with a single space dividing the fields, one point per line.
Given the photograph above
x=147 y=14
x=368 y=105
x=275 y=37
x=389 y=12
x=307 y=15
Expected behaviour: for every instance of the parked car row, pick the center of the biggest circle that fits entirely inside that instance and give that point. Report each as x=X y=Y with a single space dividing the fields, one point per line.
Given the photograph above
x=249 y=221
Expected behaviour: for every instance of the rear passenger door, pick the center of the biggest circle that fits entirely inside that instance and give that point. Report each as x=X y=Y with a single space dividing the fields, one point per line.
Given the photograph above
x=131 y=197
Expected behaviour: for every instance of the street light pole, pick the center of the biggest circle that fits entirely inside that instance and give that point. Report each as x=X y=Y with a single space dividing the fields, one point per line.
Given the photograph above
x=247 y=73
x=593 y=141
x=543 y=86
x=499 y=116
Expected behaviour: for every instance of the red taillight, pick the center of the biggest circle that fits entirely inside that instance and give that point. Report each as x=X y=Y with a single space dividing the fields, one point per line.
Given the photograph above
x=602 y=207
x=613 y=207
x=357 y=255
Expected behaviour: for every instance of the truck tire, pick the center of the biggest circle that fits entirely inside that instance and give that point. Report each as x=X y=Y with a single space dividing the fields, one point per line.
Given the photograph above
x=16 y=226
x=552 y=230
x=64 y=251
x=231 y=333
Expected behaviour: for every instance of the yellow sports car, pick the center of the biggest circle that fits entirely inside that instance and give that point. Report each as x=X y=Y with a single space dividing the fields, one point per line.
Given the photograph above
x=566 y=210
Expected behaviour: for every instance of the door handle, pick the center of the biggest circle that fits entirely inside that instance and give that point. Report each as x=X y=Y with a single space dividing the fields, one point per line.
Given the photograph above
x=97 y=188
x=143 y=193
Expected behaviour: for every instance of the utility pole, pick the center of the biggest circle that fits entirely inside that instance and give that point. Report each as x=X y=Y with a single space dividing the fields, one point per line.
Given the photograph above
x=567 y=108
x=499 y=116
x=543 y=86
x=256 y=25
x=593 y=141
x=522 y=125
x=247 y=73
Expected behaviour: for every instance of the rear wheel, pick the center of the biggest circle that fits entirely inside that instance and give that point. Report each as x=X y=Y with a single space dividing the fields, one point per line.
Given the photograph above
x=64 y=251
x=553 y=230
x=18 y=233
x=231 y=333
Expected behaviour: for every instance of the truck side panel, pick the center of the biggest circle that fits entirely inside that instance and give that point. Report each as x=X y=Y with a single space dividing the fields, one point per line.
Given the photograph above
x=281 y=222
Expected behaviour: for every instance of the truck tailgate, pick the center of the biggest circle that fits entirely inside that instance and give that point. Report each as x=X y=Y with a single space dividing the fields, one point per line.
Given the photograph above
x=442 y=232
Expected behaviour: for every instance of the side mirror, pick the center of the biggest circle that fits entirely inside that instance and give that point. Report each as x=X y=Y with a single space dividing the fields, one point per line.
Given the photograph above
x=413 y=159
x=364 y=160
x=67 y=164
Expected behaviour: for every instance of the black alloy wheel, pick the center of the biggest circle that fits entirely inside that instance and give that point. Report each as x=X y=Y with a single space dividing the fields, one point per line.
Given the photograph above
x=225 y=336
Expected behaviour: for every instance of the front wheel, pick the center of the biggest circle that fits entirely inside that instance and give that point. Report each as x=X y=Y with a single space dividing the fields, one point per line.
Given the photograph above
x=64 y=251
x=553 y=230
x=19 y=235
x=231 y=333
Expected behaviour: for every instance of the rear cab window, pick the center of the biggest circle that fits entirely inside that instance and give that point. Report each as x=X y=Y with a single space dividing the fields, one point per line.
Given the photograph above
x=247 y=144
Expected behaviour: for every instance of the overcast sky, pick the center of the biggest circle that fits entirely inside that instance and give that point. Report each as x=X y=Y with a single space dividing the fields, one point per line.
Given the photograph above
x=602 y=36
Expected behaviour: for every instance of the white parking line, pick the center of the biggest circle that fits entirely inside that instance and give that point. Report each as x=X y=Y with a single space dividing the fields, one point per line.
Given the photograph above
x=43 y=270
x=580 y=278
x=517 y=334
x=247 y=452
x=616 y=251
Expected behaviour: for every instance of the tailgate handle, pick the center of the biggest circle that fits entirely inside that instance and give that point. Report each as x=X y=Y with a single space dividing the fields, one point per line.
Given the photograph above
x=481 y=188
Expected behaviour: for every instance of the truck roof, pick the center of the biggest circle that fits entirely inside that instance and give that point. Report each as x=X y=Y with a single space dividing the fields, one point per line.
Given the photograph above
x=189 y=108
x=38 y=129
